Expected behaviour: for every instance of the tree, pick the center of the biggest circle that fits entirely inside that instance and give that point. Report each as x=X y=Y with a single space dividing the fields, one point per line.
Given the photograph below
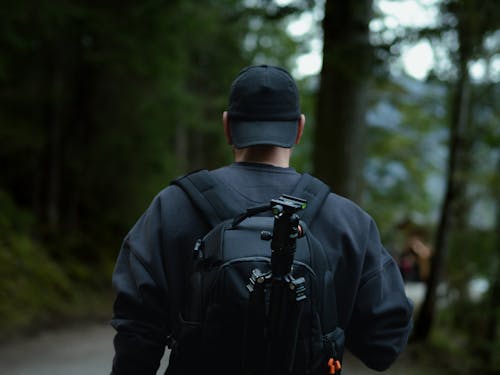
x=103 y=103
x=342 y=97
x=93 y=89
x=492 y=335
x=473 y=20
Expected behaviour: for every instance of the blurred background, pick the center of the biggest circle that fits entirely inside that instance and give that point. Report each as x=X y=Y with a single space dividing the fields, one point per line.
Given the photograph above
x=102 y=103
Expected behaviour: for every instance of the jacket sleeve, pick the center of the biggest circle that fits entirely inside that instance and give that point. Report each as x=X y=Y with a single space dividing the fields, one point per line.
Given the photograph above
x=382 y=316
x=141 y=304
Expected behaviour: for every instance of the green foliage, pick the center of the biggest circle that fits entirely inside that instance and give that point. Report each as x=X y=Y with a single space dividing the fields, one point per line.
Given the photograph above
x=471 y=255
x=102 y=104
x=406 y=124
x=34 y=288
x=460 y=345
x=123 y=99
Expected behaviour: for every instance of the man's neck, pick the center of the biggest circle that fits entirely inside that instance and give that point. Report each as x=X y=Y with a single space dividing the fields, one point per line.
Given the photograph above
x=277 y=156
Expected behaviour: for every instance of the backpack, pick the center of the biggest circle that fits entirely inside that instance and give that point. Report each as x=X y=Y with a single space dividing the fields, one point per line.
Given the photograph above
x=228 y=323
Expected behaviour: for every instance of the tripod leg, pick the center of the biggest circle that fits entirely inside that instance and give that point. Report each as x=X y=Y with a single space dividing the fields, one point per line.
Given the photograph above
x=278 y=317
x=256 y=323
x=286 y=307
x=297 y=298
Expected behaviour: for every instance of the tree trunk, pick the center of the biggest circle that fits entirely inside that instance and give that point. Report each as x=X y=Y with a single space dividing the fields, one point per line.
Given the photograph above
x=494 y=293
x=53 y=124
x=62 y=121
x=342 y=98
x=460 y=108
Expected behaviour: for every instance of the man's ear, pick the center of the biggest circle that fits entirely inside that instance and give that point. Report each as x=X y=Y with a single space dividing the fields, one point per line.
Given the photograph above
x=300 y=128
x=227 y=128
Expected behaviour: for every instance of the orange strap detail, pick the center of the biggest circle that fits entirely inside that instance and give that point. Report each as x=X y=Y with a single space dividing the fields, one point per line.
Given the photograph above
x=338 y=365
x=333 y=366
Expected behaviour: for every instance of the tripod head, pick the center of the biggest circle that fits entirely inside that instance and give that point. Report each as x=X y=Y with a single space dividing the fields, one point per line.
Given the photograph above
x=287 y=205
x=286 y=230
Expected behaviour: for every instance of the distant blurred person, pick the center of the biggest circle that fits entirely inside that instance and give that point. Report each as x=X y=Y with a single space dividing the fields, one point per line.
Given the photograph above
x=365 y=297
x=414 y=260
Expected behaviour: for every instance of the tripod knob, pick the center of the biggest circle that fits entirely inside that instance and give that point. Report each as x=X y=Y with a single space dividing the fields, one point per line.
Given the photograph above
x=266 y=236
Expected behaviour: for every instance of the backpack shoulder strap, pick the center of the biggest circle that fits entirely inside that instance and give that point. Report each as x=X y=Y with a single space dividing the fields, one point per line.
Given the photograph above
x=210 y=196
x=314 y=191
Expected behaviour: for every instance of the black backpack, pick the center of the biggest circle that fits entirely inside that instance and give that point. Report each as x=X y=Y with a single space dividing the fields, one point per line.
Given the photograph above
x=229 y=323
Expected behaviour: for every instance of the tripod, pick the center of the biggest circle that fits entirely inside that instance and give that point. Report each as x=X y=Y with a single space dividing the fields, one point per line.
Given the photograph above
x=276 y=298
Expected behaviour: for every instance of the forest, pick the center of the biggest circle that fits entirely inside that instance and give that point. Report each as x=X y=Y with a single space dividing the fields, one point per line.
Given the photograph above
x=102 y=104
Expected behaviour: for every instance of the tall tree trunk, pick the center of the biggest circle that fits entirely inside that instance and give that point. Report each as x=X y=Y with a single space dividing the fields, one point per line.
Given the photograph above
x=460 y=108
x=78 y=144
x=494 y=293
x=53 y=123
x=342 y=98
x=475 y=19
x=61 y=114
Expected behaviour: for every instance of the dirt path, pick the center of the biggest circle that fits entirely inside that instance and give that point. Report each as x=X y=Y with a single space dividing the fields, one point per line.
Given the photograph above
x=88 y=350
x=73 y=351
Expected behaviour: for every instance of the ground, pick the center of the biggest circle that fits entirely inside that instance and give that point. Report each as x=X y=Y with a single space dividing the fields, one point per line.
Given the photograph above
x=88 y=349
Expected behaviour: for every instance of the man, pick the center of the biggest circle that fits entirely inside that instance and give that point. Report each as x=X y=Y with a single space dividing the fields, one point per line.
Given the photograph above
x=262 y=124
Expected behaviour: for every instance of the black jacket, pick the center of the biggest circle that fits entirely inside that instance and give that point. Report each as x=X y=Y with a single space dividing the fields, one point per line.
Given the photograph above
x=372 y=306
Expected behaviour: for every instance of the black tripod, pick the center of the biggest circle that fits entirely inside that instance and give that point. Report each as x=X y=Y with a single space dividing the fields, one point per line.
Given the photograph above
x=276 y=297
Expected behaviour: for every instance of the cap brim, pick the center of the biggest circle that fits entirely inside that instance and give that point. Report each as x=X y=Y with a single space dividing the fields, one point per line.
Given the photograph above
x=253 y=133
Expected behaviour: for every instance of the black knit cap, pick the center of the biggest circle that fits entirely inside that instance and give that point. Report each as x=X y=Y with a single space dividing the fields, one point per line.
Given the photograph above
x=264 y=107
